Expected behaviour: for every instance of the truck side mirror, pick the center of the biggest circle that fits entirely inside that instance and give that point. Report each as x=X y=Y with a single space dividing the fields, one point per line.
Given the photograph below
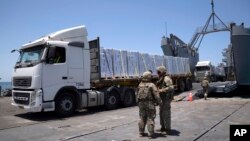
x=51 y=55
x=14 y=50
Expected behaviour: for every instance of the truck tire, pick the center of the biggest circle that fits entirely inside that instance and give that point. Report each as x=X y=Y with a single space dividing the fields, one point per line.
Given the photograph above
x=129 y=98
x=181 y=85
x=65 y=104
x=111 y=100
x=189 y=85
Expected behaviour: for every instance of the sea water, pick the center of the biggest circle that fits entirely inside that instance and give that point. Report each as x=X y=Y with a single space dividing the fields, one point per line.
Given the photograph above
x=5 y=85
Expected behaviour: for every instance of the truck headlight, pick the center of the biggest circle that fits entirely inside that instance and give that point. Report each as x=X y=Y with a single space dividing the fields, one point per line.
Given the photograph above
x=35 y=94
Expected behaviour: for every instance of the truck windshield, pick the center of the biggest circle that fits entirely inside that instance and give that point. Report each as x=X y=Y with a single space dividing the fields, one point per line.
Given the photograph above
x=30 y=56
x=202 y=68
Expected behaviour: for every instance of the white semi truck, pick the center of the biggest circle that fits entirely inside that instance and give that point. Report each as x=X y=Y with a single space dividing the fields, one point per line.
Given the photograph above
x=203 y=68
x=64 y=72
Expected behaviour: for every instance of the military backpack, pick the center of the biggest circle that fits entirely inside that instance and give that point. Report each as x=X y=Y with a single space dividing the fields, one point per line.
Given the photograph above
x=204 y=83
x=144 y=92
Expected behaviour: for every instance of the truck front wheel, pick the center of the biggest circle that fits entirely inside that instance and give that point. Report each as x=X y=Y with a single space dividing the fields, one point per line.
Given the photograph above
x=111 y=100
x=65 y=105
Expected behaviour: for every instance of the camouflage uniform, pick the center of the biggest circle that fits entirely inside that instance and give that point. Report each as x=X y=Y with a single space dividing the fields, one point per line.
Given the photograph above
x=205 y=86
x=147 y=97
x=166 y=88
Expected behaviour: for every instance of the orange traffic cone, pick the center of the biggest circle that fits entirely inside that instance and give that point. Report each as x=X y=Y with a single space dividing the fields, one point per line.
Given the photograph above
x=190 y=97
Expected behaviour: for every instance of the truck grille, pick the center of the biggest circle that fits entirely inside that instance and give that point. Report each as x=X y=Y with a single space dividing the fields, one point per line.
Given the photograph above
x=22 y=81
x=21 y=98
x=200 y=74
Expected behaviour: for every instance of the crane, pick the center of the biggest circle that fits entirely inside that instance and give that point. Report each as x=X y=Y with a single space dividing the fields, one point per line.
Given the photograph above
x=208 y=28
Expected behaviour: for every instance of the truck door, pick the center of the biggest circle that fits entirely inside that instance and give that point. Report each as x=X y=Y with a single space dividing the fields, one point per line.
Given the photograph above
x=76 y=69
x=54 y=72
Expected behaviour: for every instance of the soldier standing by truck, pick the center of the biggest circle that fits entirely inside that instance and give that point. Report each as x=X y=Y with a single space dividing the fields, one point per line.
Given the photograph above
x=147 y=97
x=165 y=89
x=205 y=86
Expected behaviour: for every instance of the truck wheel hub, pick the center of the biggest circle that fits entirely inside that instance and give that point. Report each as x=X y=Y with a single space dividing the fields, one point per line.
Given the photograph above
x=112 y=100
x=66 y=104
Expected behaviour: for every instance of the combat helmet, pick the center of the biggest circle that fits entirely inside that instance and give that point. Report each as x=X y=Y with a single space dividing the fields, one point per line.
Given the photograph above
x=161 y=69
x=147 y=75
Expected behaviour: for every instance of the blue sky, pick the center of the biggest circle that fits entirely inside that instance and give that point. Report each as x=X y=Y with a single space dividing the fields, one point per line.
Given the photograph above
x=122 y=24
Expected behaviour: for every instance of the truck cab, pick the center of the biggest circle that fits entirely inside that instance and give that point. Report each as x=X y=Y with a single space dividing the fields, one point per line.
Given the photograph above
x=49 y=67
x=202 y=69
x=205 y=68
x=61 y=72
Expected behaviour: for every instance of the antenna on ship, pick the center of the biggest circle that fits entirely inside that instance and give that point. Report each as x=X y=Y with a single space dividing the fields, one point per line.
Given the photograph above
x=166 y=28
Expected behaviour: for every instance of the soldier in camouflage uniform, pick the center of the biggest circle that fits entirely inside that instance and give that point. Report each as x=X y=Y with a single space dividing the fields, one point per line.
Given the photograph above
x=166 y=90
x=205 y=86
x=147 y=97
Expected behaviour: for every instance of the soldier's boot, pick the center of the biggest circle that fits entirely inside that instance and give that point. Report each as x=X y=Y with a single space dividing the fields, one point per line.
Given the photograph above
x=141 y=128
x=162 y=129
x=151 y=136
x=205 y=96
x=168 y=131
x=151 y=131
x=142 y=134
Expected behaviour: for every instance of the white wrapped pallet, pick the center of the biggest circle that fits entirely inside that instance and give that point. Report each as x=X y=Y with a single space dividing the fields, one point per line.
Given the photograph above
x=187 y=66
x=103 y=64
x=176 y=65
x=147 y=62
x=182 y=66
x=166 y=64
x=150 y=62
x=124 y=63
x=185 y=71
x=169 y=64
x=158 y=60
x=108 y=56
x=142 y=64
x=117 y=63
x=105 y=60
x=133 y=63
